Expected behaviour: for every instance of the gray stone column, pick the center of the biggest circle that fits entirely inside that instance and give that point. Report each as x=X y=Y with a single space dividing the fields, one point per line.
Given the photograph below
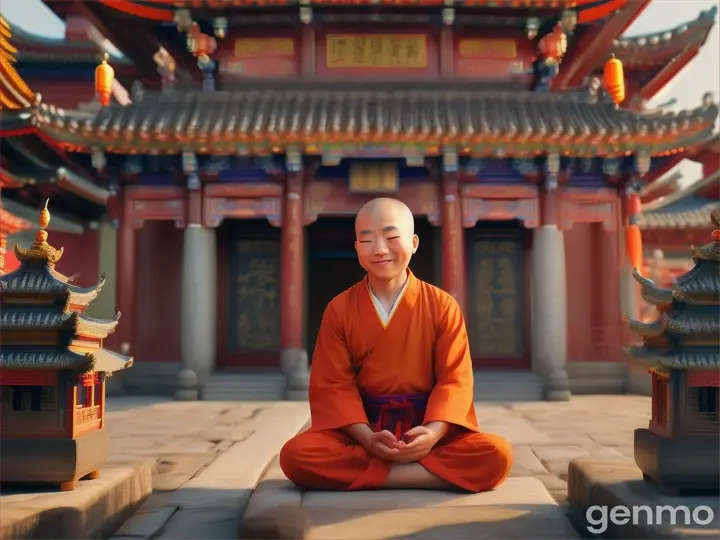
x=198 y=309
x=549 y=297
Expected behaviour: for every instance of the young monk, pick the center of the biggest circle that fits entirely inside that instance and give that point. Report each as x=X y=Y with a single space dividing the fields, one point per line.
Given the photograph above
x=391 y=384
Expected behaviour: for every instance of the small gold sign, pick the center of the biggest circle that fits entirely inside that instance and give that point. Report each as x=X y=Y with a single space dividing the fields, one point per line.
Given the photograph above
x=374 y=177
x=376 y=51
x=488 y=48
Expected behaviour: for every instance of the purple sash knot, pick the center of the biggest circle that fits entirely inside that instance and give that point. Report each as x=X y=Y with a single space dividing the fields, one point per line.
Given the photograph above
x=397 y=413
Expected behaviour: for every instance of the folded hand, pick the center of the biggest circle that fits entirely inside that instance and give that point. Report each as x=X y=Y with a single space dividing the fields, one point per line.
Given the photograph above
x=384 y=444
x=415 y=445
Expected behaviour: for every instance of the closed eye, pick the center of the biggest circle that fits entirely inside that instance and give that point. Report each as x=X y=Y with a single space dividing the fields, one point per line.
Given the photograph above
x=393 y=238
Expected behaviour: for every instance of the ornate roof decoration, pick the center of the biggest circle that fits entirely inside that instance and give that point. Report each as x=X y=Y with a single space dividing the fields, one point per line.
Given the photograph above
x=14 y=92
x=659 y=47
x=686 y=334
x=271 y=119
x=37 y=300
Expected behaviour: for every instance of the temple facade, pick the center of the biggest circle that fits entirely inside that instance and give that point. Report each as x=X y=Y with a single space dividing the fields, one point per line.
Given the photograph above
x=235 y=168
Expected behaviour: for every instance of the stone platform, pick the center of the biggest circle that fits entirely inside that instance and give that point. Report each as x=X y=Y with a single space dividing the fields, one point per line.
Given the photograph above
x=94 y=509
x=604 y=485
x=518 y=509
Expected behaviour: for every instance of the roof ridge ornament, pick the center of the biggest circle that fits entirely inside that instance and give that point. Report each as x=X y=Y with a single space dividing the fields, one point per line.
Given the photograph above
x=40 y=249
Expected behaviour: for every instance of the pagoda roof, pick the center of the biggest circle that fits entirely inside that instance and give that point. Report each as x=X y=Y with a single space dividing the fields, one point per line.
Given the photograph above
x=27 y=318
x=682 y=322
x=51 y=358
x=663 y=362
x=32 y=278
x=308 y=116
x=658 y=48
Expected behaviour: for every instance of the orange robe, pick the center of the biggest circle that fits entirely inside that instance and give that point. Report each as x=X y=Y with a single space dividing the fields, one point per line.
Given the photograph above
x=423 y=350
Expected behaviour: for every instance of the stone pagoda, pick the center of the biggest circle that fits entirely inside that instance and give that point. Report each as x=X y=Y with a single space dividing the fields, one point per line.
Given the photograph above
x=53 y=370
x=679 y=452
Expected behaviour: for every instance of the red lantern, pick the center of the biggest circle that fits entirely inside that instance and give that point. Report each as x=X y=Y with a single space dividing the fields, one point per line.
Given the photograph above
x=104 y=77
x=633 y=244
x=614 y=79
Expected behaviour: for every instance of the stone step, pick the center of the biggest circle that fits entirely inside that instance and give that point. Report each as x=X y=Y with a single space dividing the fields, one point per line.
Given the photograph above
x=520 y=508
x=245 y=387
x=489 y=386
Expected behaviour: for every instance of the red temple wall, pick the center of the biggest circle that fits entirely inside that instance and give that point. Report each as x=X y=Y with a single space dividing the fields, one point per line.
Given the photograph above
x=592 y=266
x=82 y=255
x=157 y=317
x=388 y=53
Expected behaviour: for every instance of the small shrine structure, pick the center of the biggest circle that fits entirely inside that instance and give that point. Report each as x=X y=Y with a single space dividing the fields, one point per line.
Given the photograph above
x=680 y=450
x=53 y=369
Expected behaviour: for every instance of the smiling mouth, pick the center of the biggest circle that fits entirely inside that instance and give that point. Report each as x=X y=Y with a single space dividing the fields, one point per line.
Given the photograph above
x=382 y=262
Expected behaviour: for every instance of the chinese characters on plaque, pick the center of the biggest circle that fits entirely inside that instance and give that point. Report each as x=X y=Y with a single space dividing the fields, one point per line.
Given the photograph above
x=498 y=313
x=374 y=177
x=376 y=51
x=255 y=306
x=261 y=57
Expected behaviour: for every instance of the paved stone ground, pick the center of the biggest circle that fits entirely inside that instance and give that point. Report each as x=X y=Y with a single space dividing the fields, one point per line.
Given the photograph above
x=210 y=455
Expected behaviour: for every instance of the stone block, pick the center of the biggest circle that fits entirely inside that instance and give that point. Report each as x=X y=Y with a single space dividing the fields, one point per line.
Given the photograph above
x=596 y=486
x=279 y=510
x=556 y=458
x=516 y=431
x=146 y=524
x=95 y=509
x=679 y=464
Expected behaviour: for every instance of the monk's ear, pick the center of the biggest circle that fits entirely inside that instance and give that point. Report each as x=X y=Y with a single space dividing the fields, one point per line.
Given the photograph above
x=416 y=242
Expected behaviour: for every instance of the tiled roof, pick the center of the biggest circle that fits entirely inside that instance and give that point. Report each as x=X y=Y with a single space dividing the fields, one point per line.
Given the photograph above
x=270 y=118
x=690 y=213
x=659 y=47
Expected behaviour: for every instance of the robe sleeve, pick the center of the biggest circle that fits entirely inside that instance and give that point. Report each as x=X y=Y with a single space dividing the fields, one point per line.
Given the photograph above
x=334 y=397
x=451 y=399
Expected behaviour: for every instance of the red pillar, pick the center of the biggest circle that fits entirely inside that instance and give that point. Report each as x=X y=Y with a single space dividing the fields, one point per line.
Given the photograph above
x=126 y=270
x=291 y=262
x=453 y=247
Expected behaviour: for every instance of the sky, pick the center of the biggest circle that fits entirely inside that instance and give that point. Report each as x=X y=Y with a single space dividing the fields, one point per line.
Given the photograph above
x=700 y=76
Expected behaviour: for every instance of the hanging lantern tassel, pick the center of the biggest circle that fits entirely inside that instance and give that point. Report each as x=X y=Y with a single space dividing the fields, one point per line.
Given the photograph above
x=104 y=77
x=633 y=235
x=614 y=80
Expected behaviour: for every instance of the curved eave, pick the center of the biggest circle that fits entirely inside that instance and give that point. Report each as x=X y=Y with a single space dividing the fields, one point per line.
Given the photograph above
x=109 y=362
x=658 y=48
x=95 y=328
x=83 y=296
x=658 y=134
x=10 y=180
x=644 y=329
x=650 y=292
x=16 y=94
x=663 y=362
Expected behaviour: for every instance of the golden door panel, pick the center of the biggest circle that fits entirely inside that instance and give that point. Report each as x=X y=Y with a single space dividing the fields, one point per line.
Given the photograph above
x=255 y=289
x=497 y=307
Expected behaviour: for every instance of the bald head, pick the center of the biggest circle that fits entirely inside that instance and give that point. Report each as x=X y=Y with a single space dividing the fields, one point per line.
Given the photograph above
x=385 y=211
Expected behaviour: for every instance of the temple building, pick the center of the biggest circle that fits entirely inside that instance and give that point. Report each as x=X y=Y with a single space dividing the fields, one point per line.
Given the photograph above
x=251 y=135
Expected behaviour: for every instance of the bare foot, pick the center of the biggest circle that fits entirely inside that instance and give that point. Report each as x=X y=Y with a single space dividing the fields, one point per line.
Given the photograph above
x=415 y=476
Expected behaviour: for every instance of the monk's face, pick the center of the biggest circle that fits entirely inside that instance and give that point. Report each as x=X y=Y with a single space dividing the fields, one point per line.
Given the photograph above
x=385 y=240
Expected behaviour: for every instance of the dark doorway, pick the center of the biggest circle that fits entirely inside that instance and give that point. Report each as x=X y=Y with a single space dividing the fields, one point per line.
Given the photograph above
x=333 y=265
